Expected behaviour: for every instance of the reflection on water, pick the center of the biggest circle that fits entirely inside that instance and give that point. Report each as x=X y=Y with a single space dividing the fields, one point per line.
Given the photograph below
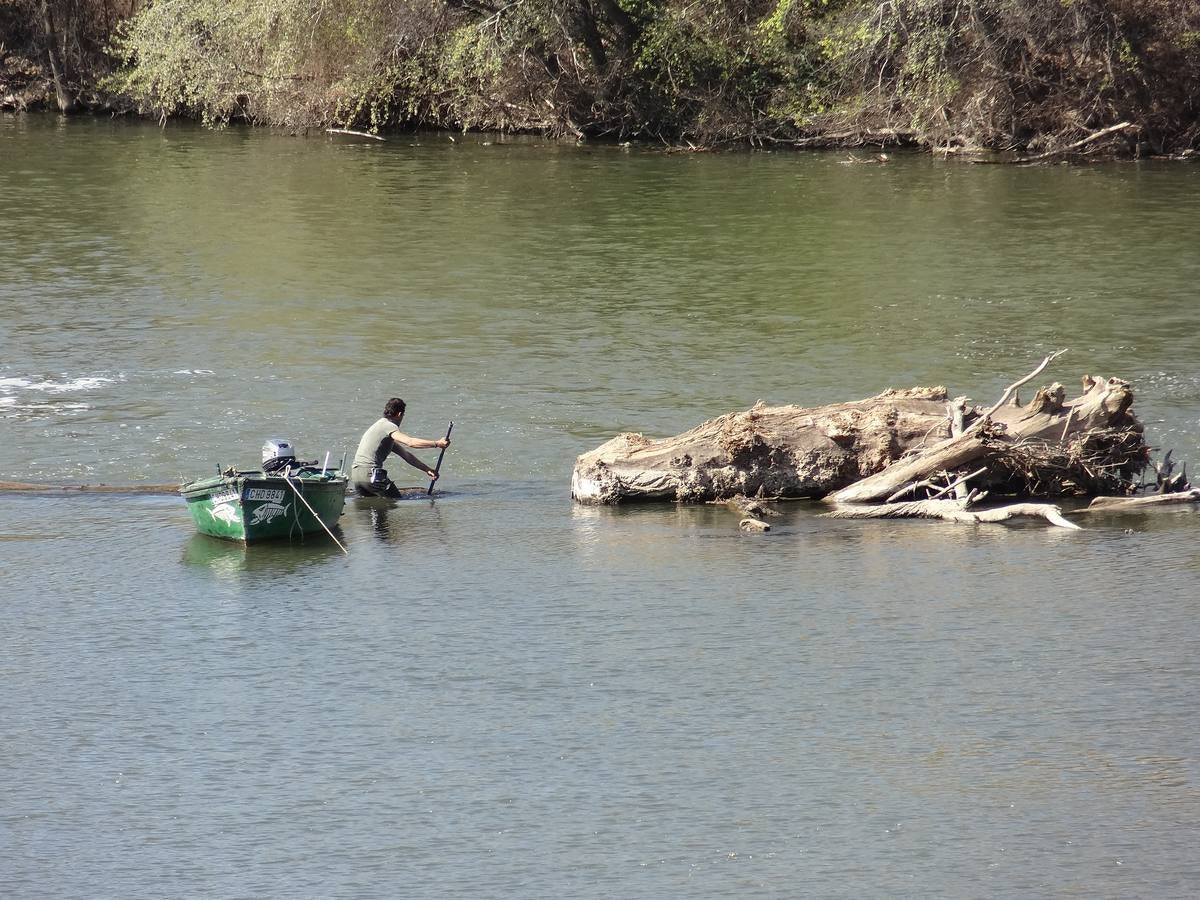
x=392 y=520
x=587 y=292
x=234 y=559
x=498 y=691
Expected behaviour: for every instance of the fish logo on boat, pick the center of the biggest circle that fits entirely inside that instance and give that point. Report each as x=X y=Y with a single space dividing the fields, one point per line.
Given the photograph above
x=226 y=512
x=268 y=513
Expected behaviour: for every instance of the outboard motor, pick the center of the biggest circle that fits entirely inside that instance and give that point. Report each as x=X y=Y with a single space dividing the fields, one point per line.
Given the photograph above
x=277 y=453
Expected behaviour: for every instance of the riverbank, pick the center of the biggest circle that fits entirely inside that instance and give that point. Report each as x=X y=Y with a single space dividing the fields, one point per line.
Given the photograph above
x=945 y=77
x=24 y=86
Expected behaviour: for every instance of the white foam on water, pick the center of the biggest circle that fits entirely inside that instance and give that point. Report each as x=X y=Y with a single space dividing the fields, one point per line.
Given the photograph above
x=9 y=385
x=42 y=407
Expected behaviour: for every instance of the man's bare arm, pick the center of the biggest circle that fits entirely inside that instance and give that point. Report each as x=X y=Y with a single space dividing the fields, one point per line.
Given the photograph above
x=416 y=443
x=413 y=461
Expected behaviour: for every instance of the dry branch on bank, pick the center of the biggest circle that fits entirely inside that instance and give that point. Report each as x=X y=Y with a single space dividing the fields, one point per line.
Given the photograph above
x=1061 y=151
x=1094 y=136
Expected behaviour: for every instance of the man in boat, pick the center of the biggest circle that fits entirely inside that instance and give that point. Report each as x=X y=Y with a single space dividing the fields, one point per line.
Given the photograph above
x=367 y=473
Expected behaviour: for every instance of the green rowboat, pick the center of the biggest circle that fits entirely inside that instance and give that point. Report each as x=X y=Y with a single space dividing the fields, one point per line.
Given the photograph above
x=258 y=506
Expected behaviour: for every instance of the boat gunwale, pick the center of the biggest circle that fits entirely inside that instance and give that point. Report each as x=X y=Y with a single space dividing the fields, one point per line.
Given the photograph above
x=204 y=488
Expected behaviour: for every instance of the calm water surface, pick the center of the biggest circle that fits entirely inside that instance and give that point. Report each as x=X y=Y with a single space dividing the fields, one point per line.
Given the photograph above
x=498 y=693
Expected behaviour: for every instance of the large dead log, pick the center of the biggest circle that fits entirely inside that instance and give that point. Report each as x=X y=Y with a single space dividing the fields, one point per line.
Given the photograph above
x=778 y=451
x=1053 y=446
x=883 y=447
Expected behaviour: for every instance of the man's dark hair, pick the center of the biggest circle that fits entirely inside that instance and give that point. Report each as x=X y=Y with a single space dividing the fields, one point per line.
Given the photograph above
x=394 y=409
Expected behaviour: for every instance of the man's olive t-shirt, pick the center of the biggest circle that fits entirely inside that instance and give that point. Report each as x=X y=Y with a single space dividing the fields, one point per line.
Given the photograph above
x=373 y=449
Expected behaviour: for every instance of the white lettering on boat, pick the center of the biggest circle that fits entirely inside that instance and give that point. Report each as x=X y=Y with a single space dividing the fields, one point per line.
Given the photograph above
x=225 y=497
x=268 y=513
x=274 y=495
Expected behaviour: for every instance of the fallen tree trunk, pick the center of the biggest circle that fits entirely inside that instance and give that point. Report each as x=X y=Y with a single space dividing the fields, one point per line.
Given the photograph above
x=775 y=451
x=1088 y=445
x=883 y=448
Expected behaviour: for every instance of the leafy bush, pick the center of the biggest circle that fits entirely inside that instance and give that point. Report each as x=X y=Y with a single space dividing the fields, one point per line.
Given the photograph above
x=993 y=73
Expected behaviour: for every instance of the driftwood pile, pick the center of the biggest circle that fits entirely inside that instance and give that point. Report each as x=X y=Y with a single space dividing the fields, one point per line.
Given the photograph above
x=900 y=454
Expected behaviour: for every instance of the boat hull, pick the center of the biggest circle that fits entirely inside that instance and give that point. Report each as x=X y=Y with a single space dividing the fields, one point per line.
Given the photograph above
x=254 y=507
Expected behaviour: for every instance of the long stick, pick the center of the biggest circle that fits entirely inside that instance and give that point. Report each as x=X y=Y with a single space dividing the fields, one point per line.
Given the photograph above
x=361 y=134
x=90 y=488
x=438 y=468
x=1008 y=392
x=314 y=512
x=1067 y=149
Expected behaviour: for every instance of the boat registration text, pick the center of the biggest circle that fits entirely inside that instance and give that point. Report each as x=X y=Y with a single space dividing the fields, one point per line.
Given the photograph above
x=272 y=494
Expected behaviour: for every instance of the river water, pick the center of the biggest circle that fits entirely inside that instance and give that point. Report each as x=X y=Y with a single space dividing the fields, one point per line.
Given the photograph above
x=498 y=693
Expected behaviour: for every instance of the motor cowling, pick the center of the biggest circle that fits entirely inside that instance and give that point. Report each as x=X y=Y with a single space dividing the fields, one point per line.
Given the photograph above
x=277 y=453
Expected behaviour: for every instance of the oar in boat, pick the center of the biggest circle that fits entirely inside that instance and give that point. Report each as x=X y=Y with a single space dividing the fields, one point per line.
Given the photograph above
x=437 y=470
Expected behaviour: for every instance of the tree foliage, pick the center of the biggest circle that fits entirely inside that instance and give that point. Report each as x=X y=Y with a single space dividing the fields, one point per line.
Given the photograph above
x=990 y=73
x=61 y=43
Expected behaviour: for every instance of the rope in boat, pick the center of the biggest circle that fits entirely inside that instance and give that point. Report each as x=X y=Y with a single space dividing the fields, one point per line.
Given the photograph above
x=296 y=491
x=295 y=526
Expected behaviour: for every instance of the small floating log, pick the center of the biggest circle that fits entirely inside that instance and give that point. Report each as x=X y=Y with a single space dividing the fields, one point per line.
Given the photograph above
x=352 y=133
x=1149 y=501
x=747 y=506
x=749 y=524
x=30 y=487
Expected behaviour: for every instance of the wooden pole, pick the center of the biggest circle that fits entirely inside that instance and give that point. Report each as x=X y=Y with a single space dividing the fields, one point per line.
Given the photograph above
x=438 y=468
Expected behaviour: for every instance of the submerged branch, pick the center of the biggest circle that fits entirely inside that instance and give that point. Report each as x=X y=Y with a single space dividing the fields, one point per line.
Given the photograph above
x=952 y=511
